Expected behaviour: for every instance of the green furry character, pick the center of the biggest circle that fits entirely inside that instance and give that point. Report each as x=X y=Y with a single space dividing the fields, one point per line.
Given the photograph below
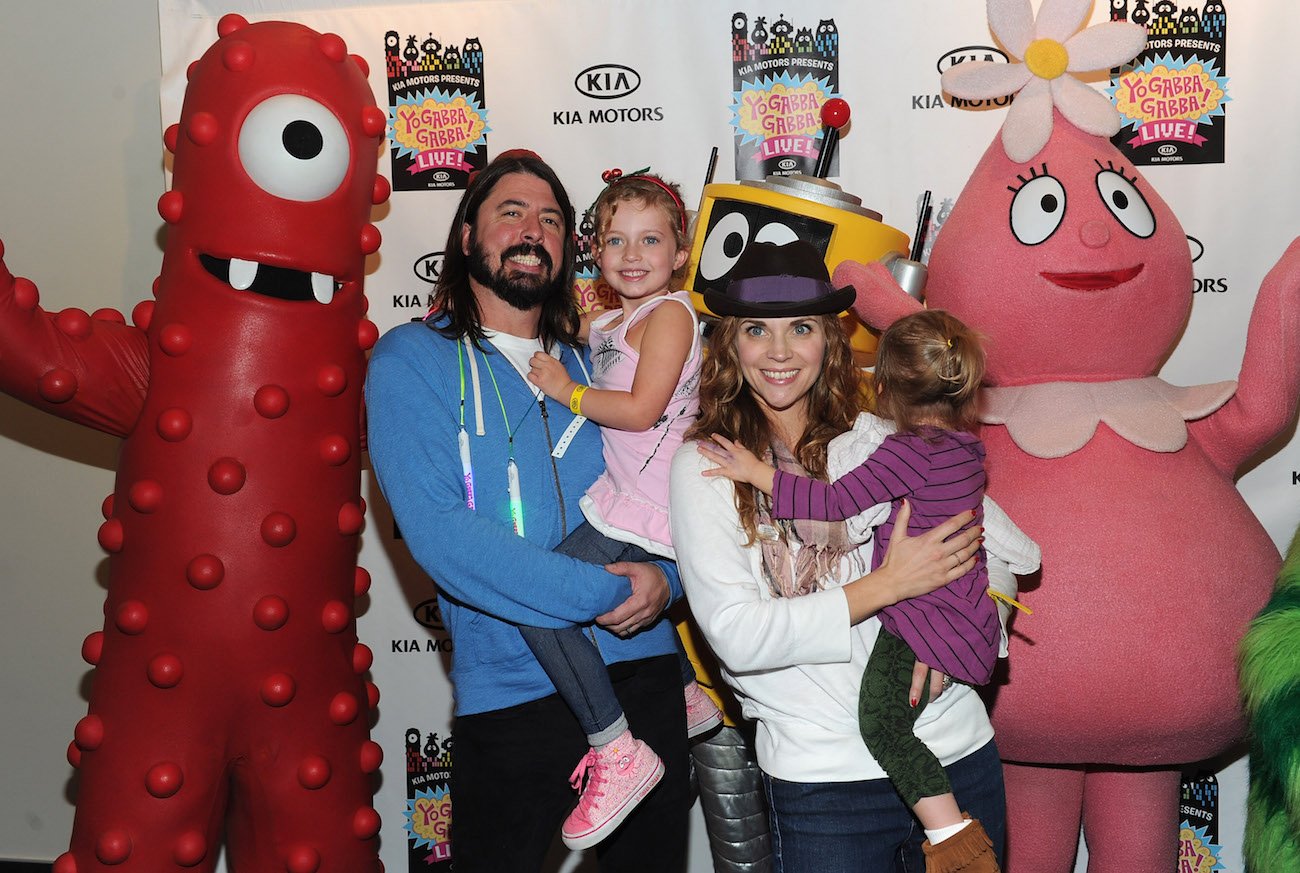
x=1270 y=684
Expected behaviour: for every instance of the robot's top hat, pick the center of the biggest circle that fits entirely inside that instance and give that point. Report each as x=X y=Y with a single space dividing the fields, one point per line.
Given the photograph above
x=779 y=281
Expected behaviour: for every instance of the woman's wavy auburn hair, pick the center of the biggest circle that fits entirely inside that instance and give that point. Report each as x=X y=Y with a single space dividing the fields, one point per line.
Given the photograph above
x=728 y=405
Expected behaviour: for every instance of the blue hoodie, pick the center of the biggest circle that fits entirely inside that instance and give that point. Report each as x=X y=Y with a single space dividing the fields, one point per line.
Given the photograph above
x=489 y=579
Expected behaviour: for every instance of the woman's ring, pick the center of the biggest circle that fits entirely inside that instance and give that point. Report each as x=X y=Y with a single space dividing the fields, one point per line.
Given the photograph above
x=947 y=682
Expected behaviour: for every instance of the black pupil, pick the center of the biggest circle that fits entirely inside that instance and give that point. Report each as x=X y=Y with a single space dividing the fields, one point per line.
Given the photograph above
x=1120 y=199
x=1048 y=202
x=733 y=245
x=302 y=139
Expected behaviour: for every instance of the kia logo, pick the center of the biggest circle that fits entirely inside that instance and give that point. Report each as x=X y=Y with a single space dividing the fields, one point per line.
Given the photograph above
x=971 y=53
x=787 y=163
x=441 y=176
x=1168 y=149
x=428 y=615
x=607 y=81
x=1197 y=249
x=428 y=267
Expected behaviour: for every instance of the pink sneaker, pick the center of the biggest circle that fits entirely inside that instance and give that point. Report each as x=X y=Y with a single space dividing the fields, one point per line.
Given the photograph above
x=702 y=714
x=618 y=777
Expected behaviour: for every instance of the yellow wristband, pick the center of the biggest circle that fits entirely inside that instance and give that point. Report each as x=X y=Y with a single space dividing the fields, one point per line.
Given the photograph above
x=575 y=399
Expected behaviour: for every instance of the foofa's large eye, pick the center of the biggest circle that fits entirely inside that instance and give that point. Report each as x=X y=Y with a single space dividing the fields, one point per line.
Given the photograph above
x=1126 y=203
x=294 y=148
x=1037 y=210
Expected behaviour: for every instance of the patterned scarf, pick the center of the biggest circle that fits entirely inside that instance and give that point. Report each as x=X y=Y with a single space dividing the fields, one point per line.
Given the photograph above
x=822 y=544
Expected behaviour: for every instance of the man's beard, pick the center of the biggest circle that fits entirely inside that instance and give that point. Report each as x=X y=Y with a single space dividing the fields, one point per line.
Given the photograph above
x=523 y=291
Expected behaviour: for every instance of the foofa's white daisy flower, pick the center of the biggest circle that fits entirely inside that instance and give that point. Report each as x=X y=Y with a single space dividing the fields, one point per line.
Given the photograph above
x=1050 y=46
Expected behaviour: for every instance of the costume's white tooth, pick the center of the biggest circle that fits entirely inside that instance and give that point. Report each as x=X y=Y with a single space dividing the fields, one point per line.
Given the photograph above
x=242 y=273
x=322 y=287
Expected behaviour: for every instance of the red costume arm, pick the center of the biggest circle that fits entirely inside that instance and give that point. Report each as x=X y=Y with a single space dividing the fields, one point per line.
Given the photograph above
x=880 y=302
x=1269 y=385
x=91 y=370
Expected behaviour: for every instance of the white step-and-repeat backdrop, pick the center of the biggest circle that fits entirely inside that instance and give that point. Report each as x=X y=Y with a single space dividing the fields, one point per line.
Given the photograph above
x=595 y=84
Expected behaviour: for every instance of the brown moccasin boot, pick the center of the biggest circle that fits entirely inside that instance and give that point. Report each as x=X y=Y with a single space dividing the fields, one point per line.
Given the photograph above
x=968 y=851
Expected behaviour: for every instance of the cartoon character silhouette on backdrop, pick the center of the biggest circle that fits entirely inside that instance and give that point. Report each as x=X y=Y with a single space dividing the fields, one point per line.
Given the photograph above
x=1080 y=278
x=229 y=693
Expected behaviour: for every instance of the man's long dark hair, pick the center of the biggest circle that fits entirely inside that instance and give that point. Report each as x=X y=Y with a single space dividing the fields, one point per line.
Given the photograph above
x=454 y=302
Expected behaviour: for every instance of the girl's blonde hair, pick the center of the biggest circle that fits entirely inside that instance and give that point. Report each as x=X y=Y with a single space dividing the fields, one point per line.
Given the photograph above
x=649 y=191
x=728 y=405
x=928 y=370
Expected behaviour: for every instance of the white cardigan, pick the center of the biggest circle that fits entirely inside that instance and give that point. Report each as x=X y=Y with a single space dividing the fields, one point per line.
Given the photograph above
x=796 y=664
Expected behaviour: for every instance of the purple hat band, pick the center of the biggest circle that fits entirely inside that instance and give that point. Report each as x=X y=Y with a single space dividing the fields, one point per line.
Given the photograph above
x=778 y=290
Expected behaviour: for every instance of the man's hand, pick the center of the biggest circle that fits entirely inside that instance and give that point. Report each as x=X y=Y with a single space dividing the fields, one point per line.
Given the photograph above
x=649 y=598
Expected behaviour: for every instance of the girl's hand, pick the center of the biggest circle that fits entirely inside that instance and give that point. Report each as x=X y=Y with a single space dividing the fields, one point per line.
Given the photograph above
x=918 y=565
x=734 y=461
x=549 y=375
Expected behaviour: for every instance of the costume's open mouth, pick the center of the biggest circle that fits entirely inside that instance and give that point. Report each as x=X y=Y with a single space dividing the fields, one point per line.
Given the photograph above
x=1093 y=281
x=279 y=282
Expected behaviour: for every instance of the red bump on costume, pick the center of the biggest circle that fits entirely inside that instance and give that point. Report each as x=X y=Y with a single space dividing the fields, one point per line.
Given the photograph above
x=26 y=297
x=372 y=694
x=230 y=23
x=203 y=129
x=57 y=386
x=111 y=537
x=278 y=529
x=65 y=863
x=383 y=190
x=335 y=617
x=361 y=581
x=238 y=57
x=351 y=519
x=145 y=496
x=365 y=824
x=372 y=755
x=108 y=313
x=226 y=476
x=165 y=671
x=334 y=450
x=344 y=708
x=175 y=340
x=106 y=508
x=373 y=123
x=73 y=322
x=333 y=47
x=331 y=380
x=171 y=206
x=169 y=137
x=271 y=401
x=132 y=617
x=278 y=689
x=153 y=286
x=190 y=849
x=164 y=779
x=313 y=772
x=142 y=314
x=362 y=658
x=302 y=859
x=370 y=239
x=89 y=733
x=205 y=572
x=92 y=647
x=189 y=70
x=361 y=64
x=367 y=334
x=174 y=425
x=270 y=613
x=113 y=847
x=74 y=758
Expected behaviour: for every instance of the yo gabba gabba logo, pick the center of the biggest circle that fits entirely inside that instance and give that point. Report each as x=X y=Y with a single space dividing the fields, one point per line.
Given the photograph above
x=782 y=74
x=1197 y=853
x=437 y=115
x=1170 y=100
x=427 y=817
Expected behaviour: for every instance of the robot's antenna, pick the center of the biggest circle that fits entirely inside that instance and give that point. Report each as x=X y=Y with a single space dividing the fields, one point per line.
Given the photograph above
x=835 y=114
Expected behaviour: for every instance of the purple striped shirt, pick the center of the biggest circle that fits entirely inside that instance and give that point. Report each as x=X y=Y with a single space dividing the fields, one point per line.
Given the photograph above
x=941 y=473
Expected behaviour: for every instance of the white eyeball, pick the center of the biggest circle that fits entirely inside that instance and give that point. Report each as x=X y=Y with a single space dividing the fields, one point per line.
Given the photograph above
x=726 y=242
x=1126 y=203
x=1037 y=210
x=294 y=148
x=776 y=233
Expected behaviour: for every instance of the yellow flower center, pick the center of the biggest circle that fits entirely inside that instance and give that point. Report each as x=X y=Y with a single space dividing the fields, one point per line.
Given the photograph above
x=1046 y=58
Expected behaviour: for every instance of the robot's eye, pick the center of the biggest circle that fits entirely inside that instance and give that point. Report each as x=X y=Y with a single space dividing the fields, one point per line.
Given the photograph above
x=723 y=246
x=293 y=147
x=776 y=233
x=1037 y=210
x=1127 y=204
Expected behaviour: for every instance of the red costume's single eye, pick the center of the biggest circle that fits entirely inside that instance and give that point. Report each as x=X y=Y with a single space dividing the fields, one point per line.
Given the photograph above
x=294 y=148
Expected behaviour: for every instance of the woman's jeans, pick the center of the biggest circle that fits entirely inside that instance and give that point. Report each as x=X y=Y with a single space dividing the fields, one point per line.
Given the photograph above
x=852 y=827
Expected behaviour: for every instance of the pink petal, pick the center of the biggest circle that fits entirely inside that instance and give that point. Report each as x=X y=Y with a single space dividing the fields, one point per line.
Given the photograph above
x=1105 y=45
x=1084 y=107
x=984 y=80
x=1061 y=19
x=1012 y=22
x=1029 y=122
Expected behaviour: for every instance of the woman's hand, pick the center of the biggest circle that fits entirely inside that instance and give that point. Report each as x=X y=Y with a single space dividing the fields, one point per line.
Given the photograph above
x=913 y=566
x=938 y=683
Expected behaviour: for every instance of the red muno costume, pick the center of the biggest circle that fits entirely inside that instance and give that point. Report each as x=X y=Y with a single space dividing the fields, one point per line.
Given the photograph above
x=1080 y=278
x=229 y=693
